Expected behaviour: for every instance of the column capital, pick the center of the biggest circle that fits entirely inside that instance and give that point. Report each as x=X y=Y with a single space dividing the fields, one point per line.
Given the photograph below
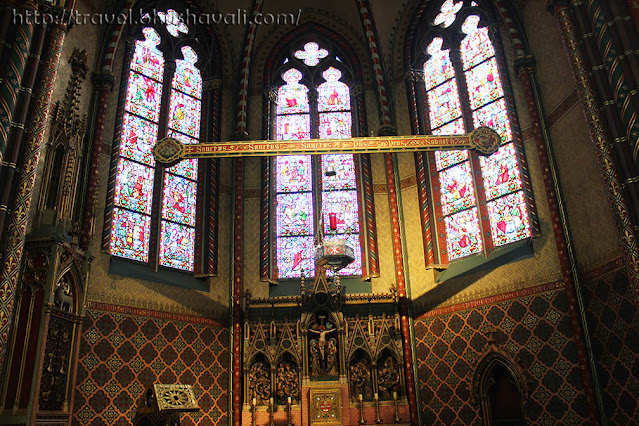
x=414 y=75
x=169 y=67
x=312 y=94
x=270 y=94
x=555 y=6
x=240 y=135
x=525 y=64
x=387 y=131
x=212 y=83
x=103 y=80
x=357 y=90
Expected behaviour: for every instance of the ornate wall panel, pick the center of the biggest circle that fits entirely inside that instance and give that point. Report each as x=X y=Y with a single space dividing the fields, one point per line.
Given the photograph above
x=613 y=321
x=124 y=351
x=533 y=331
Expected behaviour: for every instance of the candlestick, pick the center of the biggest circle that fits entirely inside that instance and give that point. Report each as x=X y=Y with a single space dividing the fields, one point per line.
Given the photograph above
x=396 y=408
x=272 y=410
x=377 y=417
x=253 y=408
x=288 y=408
x=361 y=409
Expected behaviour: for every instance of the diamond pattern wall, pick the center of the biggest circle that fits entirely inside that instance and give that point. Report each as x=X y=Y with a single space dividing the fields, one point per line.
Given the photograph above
x=613 y=321
x=122 y=355
x=534 y=331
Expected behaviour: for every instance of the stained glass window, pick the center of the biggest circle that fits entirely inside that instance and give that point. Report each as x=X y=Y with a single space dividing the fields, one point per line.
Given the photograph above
x=174 y=23
x=296 y=196
x=447 y=14
x=133 y=193
x=134 y=199
x=311 y=54
x=463 y=191
x=180 y=188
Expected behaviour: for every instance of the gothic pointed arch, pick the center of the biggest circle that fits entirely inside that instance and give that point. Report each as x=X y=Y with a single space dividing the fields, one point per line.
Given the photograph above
x=458 y=81
x=165 y=218
x=314 y=90
x=499 y=388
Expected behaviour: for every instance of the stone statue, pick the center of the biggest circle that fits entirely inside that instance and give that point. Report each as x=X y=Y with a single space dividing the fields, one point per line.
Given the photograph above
x=63 y=299
x=360 y=378
x=259 y=382
x=388 y=377
x=287 y=382
x=315 y=358
x=331 y=358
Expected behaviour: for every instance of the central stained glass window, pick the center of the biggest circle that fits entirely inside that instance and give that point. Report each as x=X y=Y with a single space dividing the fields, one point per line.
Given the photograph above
x=144 y=116
x=297 y=198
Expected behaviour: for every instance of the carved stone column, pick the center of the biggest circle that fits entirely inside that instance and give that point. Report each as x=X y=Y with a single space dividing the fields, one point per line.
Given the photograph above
x=103 y=84
x=13 y=74
x=619 y=206
x=16 y=233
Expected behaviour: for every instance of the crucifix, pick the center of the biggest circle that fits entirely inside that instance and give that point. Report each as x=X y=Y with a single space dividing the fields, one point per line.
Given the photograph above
x=170 y=151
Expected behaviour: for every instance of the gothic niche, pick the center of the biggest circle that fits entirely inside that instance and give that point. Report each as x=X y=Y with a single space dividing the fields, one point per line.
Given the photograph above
x=63 y=154
x=359 y=376
x=323 y=347
x=388 y=380
x=287 y=381
x=260 y=380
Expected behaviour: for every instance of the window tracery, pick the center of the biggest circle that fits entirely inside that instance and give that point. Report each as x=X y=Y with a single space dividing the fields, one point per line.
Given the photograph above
x=142 y=192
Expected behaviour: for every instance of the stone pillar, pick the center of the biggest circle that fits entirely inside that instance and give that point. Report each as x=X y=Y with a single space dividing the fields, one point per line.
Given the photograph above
x=394 y=201
x=525 y=67
x=16 y=234
x=598 y=135
x=236 y=332
x=103 y=84
x=14 y=72
x=15 y=141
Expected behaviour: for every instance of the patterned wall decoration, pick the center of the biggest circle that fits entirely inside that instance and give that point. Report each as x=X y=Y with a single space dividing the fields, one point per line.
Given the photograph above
x=613 y=321
x=534 y=331
x=124 y=351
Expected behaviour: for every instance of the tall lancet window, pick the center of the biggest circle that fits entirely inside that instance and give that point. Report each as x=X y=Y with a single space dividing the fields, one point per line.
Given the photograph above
x=148 y=199
x=481 y=199
x=313 y=102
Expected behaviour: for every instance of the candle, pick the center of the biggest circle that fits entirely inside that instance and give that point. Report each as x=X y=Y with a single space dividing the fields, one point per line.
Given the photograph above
x=271 y=401
x=333 y=221
x=289 y=400
x=360 y=398
x=254 y=402
x=395 y=395
x=376 y=396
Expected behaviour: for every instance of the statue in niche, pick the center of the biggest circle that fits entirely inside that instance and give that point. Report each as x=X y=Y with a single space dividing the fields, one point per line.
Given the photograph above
x=360 y=379
x=323 y=350
x=331 y=358
x=315 y=359
x=287 y=382
x=63 y=299
x=259 y=382
x=388 y=378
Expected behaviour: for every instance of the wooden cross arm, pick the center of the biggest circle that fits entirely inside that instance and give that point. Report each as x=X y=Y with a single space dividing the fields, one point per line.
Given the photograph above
x=169 y=151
